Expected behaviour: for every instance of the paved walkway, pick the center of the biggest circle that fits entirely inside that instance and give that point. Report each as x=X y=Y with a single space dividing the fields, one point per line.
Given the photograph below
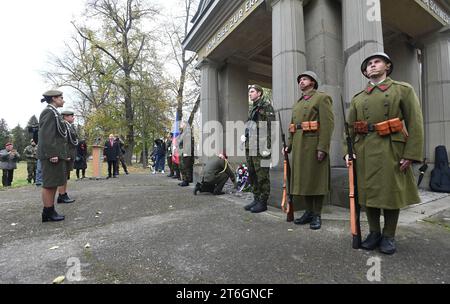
x=145 y=229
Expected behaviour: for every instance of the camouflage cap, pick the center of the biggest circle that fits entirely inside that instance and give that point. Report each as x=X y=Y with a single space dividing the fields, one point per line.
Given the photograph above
x=52 y=93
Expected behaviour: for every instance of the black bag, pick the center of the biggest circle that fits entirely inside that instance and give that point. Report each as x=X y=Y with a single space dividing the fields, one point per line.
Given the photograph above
x=440 y=176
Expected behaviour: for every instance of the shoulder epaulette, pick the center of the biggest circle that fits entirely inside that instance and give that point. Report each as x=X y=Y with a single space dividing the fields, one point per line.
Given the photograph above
x=403 y=84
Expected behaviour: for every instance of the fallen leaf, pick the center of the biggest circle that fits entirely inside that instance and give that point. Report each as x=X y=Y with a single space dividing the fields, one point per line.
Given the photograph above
x=14 y=224
x=54 y=247
x=290 y=230
x=99 y=212
x=87 y=246
x=59 y=280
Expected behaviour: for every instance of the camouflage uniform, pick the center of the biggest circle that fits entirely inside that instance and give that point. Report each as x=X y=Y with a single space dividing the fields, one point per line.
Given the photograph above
x=258 y=137
x=30 y=154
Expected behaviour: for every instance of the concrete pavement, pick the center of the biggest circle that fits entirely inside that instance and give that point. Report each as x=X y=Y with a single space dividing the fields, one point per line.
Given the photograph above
x=146 y=229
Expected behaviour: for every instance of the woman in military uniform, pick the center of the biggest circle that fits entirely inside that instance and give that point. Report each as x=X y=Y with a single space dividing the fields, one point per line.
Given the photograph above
x=387 y=132
x=310 y=132
x=52 y=151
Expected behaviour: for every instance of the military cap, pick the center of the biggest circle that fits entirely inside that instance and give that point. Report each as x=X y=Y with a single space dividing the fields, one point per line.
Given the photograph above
x=257 y=88
x=311 y=75
x=68 y=111
x=382 y=55
x=52 y=93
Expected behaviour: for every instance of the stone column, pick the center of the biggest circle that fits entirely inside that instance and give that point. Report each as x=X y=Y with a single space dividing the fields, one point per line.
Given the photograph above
x=406 y=62
x=233 y=104
x=323 y=28
x=362 y=35
x=436 y=102
x=288 y=61
x=209 y=99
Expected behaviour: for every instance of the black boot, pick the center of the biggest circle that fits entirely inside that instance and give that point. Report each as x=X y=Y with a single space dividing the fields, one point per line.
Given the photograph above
x=183 y=184
x=251 y=205
x=259 y=207
x=197 y=188
x=50 y=215
x=64 y=199
x=372 y=241
x=306 y=218
x=387 y=245
x=316 y=222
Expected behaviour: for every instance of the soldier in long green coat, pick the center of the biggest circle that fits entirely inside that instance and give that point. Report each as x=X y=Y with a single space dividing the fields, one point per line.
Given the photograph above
x=52 y=152
x=258 y=148
x=186 y=148
x=216 y=174
x=310 y=132
x=71 y=146
x=388 y=137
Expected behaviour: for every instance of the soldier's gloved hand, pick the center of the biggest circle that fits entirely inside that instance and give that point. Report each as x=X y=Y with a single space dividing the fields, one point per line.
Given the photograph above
x=321 y=156
x=405 y=164
x=287 y=150
x=346 y=159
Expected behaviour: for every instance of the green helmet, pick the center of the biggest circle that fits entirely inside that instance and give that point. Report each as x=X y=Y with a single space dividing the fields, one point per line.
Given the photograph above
x=382 y=55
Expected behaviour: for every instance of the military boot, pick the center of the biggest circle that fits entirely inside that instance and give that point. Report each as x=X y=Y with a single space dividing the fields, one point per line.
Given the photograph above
x=316 y=222
x=372 y=241
x=387 y=245
x=50 y=215
x=64 y=199
x=183 y=184
x=251 y=205
x=197 y=188
x=306 y=218
x=259 y=207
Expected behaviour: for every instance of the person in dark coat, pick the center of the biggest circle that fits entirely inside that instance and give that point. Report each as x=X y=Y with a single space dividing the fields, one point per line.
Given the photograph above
x=52 y=152
x=122 y=156
x=111 y=152
x=81 y=159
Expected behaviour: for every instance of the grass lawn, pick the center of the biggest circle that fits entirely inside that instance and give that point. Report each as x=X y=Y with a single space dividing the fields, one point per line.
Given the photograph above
x=20 y=174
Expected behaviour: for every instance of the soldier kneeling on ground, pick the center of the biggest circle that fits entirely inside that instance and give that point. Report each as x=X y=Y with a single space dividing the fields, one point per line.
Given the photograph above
x=216 y=174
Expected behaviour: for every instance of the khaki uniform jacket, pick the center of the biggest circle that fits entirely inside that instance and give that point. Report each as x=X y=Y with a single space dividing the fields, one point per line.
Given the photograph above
x=381 y=184
x=51 y=142
x=258 y=129
x=72 y=134
x=215 y=168
x=308 y=175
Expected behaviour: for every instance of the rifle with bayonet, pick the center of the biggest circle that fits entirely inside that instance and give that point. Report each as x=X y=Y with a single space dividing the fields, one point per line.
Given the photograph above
x=355 y=209
x=286 y=202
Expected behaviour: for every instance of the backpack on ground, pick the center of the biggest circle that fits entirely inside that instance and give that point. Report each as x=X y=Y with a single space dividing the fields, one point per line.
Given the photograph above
x=440 y=175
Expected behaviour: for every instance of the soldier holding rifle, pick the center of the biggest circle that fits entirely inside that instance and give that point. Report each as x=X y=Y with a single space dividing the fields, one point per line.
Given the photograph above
x=386 y=127
x=310 y=133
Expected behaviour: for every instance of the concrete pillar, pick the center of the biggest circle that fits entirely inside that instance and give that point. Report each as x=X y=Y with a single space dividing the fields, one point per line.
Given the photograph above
x=209 y=103
x=288 y=61
x=233 y=104
x=323 y=28
x=436 y=104
x=288 y=54
x=362 y=35
x=406 y=62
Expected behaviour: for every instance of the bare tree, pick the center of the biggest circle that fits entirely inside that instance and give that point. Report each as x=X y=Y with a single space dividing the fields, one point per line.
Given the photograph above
x=177 y=31
x=123 y=44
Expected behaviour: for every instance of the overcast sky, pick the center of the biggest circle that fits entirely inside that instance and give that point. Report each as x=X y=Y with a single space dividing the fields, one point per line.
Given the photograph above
x=29 y=31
